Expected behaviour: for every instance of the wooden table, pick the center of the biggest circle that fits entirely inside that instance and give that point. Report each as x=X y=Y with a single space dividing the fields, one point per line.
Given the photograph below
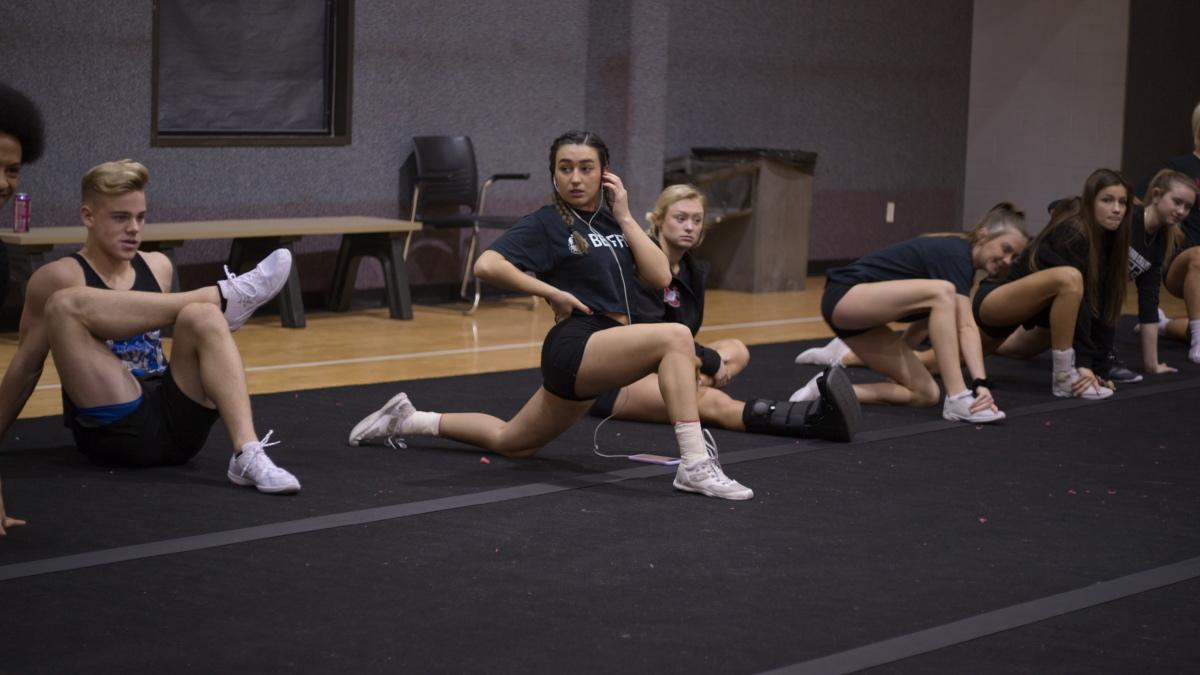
x=382 y=238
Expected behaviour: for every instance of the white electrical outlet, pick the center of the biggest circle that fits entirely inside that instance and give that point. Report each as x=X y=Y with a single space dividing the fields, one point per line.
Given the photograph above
x=890 y=215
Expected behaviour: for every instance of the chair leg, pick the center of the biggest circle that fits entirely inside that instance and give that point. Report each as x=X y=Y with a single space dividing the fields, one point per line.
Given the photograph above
x=470 y=263
x=478 y=295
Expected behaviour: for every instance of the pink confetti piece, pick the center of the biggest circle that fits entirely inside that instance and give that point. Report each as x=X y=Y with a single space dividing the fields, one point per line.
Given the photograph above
x=1071 y=491
x=978 y=427
x=1048 y=423
x=339 y=404
x=484 y=460
x=1112 y=491
x=983 y=520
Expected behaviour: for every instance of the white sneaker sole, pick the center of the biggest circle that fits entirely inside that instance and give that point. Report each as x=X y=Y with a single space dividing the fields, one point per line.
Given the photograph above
x=748 y=494
x=1098 y=396
x=245 y=482
x=360 y=429
x=974 y=419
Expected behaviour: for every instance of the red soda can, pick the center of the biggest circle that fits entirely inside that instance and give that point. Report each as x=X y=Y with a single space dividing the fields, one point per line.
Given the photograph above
x=21 y=212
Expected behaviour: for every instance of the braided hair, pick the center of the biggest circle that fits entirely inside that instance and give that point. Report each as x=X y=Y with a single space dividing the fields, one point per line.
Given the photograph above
x=575 y=137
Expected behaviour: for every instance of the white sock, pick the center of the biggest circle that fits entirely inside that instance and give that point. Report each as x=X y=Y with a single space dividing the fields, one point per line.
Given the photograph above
x=839 y=352
x=1064 y=360
x=422 y=423
x=1194 y=329
x=960 y=395
x=691 y=442
x=809 y=392
x=1163 y=320
x=829 y=355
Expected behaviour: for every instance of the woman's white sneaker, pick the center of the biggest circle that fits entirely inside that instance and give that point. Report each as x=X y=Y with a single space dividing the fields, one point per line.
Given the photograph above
x=958 y=409
x=1063 y=387
x=707 y=478
x=384 y=426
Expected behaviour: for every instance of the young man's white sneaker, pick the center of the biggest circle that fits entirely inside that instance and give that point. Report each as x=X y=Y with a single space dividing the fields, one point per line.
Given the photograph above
x=829 y=355
x=247 y=292
x=706 y=477
x=958 y=409
x=809 y=392
x=251 y=467
x=1062 y=387
x=383 y=427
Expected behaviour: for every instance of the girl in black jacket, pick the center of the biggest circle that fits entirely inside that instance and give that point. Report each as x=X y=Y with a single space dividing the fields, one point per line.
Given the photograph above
x=1070 y=280
x=1155 y=237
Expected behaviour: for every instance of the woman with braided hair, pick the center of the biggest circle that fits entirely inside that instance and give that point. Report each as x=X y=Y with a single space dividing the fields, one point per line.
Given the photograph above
x=585 y=253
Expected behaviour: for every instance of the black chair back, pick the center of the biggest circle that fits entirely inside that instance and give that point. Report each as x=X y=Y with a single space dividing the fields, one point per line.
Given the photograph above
x=446 y=173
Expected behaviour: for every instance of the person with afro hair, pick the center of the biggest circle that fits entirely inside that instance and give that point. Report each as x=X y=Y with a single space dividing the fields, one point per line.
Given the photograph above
x=21 y=142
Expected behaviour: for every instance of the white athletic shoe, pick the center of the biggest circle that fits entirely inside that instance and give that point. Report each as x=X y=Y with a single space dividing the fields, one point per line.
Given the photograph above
x=959 y=410
x=1062 y=387
x=247 y=292
x=252 y=467
x=829 y=355
x=706 y=477
x=809 y=392
x=383 y=427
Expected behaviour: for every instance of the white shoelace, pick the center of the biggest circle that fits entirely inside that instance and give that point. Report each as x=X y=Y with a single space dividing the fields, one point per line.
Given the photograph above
x=258 y=457
x=242 y=283
x=713 y=464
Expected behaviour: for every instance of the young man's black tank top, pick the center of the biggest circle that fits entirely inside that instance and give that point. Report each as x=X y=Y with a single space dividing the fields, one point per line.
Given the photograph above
x=142 y=354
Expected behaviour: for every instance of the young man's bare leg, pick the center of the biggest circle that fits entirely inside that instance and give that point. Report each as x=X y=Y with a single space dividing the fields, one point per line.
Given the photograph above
x=207 y=367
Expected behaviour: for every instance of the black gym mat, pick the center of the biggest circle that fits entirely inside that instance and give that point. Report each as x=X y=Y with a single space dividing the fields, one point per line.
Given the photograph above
x=434 y=561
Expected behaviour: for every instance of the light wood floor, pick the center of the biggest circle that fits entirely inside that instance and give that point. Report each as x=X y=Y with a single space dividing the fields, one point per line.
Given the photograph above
x=365 y=346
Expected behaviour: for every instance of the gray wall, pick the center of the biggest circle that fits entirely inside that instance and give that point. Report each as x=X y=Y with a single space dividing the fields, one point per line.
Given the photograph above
x=1047 y=101
x=878 y=88
x=1162 y=87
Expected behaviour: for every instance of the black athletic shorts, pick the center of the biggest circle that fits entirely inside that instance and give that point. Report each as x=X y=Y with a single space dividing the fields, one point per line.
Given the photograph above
x=167 y=428
x=834 y=292
x=986 y=286
x=604 y=403
x=562 y=352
